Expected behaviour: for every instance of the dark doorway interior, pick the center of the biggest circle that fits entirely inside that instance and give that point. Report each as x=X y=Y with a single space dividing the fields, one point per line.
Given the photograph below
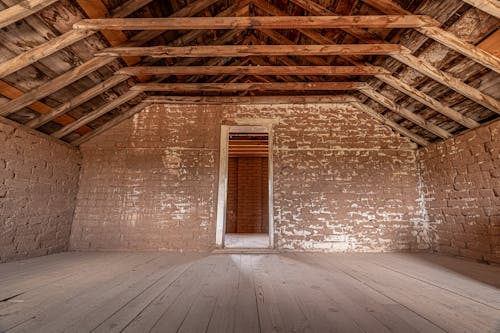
x=247 y=197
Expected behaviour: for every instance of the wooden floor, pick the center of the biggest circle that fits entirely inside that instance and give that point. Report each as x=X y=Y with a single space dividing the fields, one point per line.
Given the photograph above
x=162 y=292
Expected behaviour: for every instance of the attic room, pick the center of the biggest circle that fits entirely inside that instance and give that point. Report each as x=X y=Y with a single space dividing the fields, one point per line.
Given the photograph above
x=249 y=166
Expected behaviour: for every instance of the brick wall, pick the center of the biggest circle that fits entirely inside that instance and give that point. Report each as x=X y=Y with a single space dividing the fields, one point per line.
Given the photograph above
x=38 y=187
x=342 y=181
x=461 y=179
x=247 y=198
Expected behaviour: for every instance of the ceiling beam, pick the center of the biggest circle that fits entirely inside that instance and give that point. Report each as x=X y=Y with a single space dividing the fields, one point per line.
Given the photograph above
x=253 y=70
x=425 y=99
x=442 y=36
x=448 y=80
x=22 y=10
x=278 y=86
x=405 y=113
x=422 y=66
x=264 y=22
x=11 y=92
x=91 y=65
x=112 y=123
x=491 y=7
x=272 y=99
x=253 y=50
x=386 y=121
x=77 y=100
x=92 y=115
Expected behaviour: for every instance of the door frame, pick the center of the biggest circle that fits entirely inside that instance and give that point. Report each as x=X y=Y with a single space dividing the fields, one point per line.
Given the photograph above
x=242 y=126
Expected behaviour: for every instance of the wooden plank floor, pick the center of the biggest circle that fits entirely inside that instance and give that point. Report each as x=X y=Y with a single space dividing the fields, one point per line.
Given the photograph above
x=293 y=292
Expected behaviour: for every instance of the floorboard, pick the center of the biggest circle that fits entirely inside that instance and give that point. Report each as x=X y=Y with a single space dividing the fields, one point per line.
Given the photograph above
x=288 y=292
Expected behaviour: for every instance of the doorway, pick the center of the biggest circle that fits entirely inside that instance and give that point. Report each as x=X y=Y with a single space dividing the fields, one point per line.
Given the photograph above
x=244 y=212
x=247 y=213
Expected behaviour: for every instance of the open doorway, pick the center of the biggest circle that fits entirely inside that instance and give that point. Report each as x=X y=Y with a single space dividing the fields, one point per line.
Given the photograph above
x=247 y=213
x=244 y=205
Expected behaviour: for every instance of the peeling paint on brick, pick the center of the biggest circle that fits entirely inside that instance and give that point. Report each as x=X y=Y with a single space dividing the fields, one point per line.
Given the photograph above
x=342 y=181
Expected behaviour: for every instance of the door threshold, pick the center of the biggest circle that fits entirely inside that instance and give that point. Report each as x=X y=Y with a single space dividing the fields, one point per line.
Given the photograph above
x=245 y=251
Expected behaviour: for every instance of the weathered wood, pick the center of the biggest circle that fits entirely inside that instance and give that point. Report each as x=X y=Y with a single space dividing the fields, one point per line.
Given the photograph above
x=395 y=126
x=77 y=100
x=449 y=81
x=12 y=93
x=442 y=36
x=264 y=22
x=491 y=7
x=54 y=85
x=278 y=99
x=253 y=50
x=253 y=70
x=58 y=43
x=96 y=113
x=280 y=86
x=112 y=123
x=21 y=10
x=427 y=100
x=90 y=66
x=491 y=43
x=96 y=9
x=414 y=118
x=421 y=66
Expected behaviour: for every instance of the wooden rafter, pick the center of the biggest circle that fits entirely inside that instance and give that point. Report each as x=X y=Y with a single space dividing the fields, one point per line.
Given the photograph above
x=421 y=65
x=39 y=107
x=491 y=7
x=96 y=113
x=263 y=22
x=90 y=65
x=21 y=10
x=253 y=50
x=58 y=43
x=442 y=36
x=386 y=121
x=110 y=124
x=414 y=118
x=253 y=70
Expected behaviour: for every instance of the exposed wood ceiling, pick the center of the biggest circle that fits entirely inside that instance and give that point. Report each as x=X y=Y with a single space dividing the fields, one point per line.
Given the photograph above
x=428 y=69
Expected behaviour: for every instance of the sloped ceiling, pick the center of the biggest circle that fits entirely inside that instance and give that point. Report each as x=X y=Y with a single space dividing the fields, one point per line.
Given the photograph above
x=428 y=69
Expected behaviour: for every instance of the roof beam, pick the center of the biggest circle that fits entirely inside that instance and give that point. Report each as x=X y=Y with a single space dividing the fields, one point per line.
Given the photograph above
x=96 y=113
x=22 y=10
x=271 y=99
x=264 y=22
x=58 y=43
x=279 y=86
x=112 y=123
x=491 y=7
x=386 y=121
x=253 y=50
x=253 y=70
x=428 y=100
x=91 y=65
x=422 y=66
x=442 y=36
x=448 y=80
x=77 y=100
x=11 y=92
x=413 y=117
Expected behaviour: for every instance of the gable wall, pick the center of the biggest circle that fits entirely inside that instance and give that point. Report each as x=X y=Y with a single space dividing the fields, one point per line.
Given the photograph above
x=342 y=181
